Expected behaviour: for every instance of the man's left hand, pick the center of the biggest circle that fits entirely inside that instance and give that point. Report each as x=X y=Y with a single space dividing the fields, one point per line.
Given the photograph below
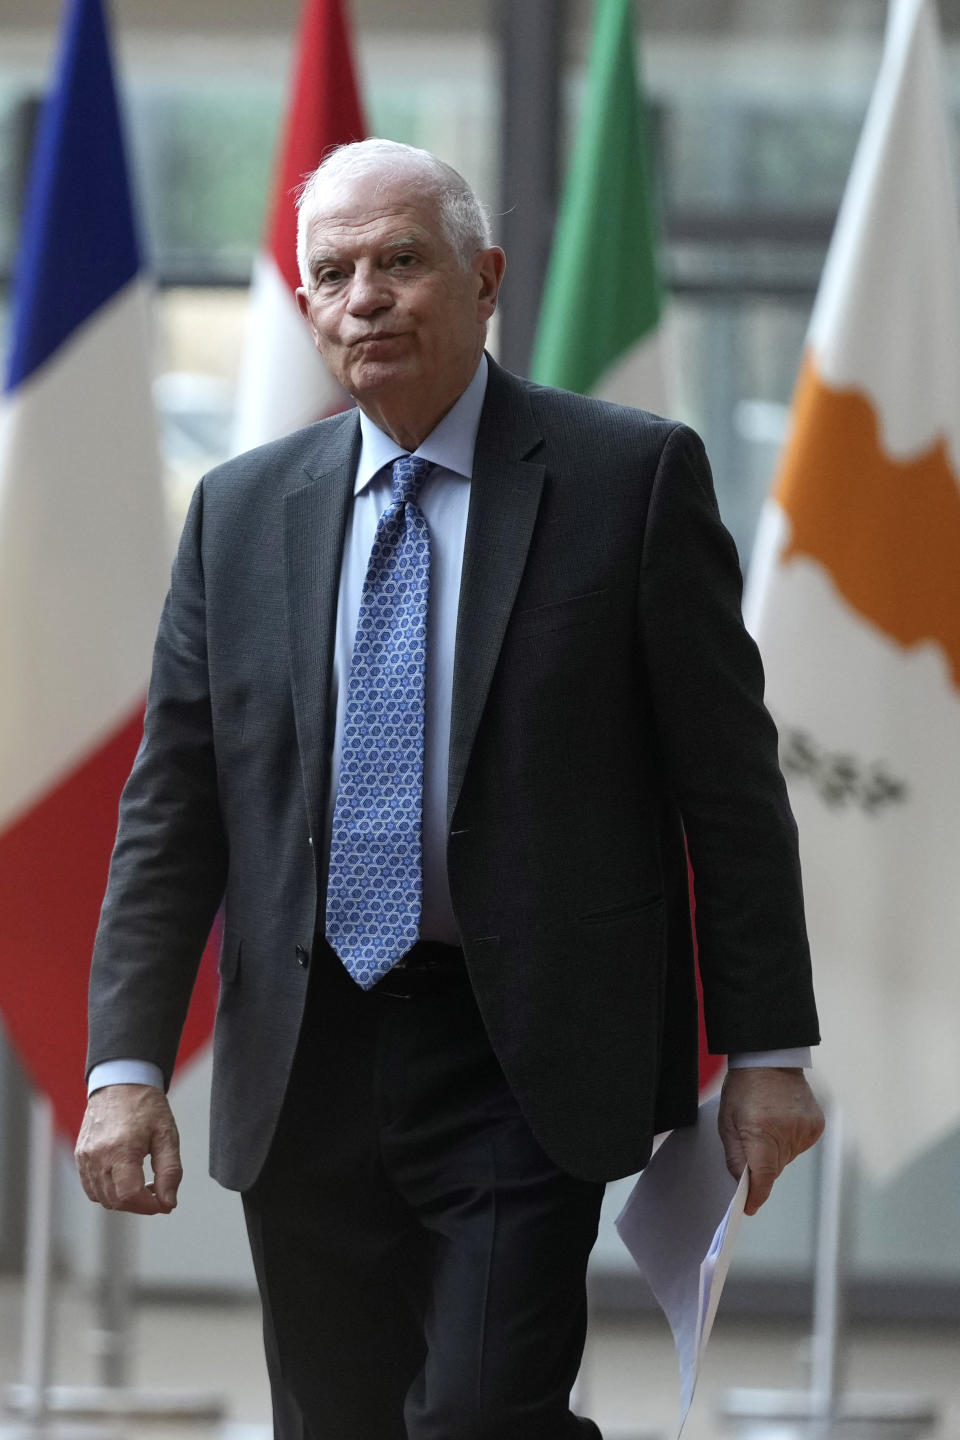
x=767 y=1118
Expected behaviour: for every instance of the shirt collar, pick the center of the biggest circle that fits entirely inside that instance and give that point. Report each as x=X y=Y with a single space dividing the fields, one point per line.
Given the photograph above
x=450 y=444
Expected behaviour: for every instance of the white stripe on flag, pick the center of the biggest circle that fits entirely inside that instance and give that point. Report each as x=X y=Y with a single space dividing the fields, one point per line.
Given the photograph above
x=283 y=382
x=84 y=552
x=638 y=377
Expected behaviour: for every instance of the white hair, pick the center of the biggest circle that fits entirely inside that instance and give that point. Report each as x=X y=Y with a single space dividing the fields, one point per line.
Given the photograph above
x=463 y=218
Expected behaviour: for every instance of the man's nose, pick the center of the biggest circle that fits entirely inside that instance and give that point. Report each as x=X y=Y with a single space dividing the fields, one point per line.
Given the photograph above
x=369 y=291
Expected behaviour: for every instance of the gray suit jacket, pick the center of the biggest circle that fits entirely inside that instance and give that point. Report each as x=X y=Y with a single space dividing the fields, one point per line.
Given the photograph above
x=607 y=706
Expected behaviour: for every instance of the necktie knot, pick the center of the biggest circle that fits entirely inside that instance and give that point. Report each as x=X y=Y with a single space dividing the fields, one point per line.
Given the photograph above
x=409 y=473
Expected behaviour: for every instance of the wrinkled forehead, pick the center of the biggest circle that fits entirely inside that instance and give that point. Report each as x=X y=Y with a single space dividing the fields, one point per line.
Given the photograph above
x=358 y=199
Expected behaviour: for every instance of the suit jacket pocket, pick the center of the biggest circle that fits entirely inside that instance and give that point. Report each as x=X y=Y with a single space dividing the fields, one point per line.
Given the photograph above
x=582 y=609
x=622 y=909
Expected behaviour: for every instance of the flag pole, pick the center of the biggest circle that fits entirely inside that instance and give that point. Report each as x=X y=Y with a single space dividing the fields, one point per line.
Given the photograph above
x=37 y=1294
x=824 y=1410
x=831 y=1266
x=35 y=1399
x=30 y=1399
x=112 y=1339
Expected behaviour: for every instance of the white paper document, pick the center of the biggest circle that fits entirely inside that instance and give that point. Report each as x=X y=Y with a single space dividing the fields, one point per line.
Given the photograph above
x=679 y=1224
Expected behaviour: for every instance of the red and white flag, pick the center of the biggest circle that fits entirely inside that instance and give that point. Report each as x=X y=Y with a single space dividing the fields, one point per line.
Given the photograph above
x=854 y=598
x=84 y=561
x=283 y=382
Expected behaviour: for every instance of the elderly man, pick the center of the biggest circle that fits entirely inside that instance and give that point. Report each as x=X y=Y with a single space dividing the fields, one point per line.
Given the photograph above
x=443 y=688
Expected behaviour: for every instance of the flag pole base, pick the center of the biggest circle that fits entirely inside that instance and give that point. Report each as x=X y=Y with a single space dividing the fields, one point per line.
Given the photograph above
x=786 y=1414
x=114 y=1402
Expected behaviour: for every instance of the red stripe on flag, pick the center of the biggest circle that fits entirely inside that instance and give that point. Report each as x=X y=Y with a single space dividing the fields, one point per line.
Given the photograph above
x=324 y=112
x=53 y=869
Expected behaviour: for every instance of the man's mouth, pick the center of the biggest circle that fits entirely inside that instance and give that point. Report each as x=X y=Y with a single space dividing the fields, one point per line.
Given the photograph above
x=375 y=337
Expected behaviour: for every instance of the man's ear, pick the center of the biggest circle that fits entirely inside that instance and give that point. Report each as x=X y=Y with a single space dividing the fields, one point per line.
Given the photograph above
x=303 y=305
x=488 y=267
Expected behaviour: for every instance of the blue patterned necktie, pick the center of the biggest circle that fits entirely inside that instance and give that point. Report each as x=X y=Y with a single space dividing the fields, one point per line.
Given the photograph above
x=375 y=880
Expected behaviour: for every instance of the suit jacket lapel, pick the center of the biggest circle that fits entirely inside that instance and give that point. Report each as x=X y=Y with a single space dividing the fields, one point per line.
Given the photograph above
x=315 y=518
x=504 y=498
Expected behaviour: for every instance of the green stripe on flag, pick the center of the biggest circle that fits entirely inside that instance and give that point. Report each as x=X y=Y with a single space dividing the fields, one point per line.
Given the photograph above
x=603 y=292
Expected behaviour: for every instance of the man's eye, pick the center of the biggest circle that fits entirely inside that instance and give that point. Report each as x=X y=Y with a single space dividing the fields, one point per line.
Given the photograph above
x=328 y=276
x=403 y=260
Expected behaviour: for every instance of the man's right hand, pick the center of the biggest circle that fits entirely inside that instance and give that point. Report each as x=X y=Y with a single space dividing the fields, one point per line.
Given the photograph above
x=122 y=1126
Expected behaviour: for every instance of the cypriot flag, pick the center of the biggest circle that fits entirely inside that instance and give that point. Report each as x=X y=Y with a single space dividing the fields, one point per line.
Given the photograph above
x=283 y=382
x=854 y=598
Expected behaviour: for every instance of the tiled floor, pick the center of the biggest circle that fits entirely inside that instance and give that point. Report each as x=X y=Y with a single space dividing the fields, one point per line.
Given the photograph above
x=629 y=1381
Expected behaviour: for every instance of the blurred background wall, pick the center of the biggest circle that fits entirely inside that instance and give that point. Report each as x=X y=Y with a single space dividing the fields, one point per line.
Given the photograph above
x=755 y=106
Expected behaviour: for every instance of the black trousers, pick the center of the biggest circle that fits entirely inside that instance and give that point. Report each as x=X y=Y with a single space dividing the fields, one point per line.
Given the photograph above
x=421 y=1261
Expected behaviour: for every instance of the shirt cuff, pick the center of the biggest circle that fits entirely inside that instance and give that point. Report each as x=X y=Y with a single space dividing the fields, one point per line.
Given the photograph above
x=124 y=1072
x=798 y=1059
x=143 y=1072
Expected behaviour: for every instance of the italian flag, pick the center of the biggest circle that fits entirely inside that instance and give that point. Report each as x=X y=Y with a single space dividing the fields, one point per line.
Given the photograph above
x=599 y=328
x=283 y=382
x=600 y=323
x=855 y=601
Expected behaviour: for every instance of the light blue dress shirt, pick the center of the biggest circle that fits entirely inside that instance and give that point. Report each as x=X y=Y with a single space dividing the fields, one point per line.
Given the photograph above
x=445 y=501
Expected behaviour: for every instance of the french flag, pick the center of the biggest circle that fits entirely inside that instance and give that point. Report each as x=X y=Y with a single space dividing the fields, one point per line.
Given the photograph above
x=84 y=559
x=283 y=382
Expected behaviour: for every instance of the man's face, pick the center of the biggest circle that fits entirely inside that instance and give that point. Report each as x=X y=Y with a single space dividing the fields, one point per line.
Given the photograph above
x=394 y=314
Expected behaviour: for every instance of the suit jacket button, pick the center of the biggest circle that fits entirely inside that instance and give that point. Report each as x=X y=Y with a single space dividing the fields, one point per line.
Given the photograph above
x=303 y=957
